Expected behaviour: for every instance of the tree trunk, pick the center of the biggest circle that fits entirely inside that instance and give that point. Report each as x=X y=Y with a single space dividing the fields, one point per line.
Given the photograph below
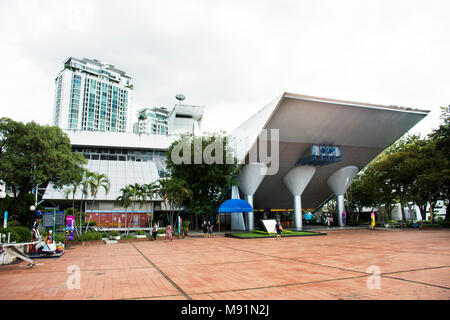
x=447 y=211
x=402 y=208
x=432 y=204
x=411 y=218
x=423 y=213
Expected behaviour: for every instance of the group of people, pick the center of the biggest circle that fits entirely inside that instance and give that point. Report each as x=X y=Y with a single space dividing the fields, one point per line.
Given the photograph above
x=207 y=229
x=206 y=226
x=168 y=232
x=327 y=221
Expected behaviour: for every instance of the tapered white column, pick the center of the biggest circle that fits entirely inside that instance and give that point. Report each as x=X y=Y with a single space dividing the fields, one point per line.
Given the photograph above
x=250 y=215
x=339 y=183
x=250 y=177
x=296 y=181
x=298 y=220
x=237 y=220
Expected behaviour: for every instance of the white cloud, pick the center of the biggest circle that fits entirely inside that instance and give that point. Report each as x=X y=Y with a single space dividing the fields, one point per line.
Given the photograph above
x=232 y=56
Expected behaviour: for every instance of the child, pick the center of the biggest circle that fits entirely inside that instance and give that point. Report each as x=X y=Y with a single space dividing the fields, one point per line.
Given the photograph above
x=154 y=231
x=169 y=232
x=210 y=230
x=279 y=229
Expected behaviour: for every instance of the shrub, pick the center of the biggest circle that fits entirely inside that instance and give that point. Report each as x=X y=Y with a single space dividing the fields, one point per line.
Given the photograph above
x=140 y=232
x=431 y=225
x=89 y=236
x=185 y=224
x=114 y=233
x=17 y=234
x=60 y=237
x=445 y=224
x=13 y=223
x=161 y=231
x=128 y=237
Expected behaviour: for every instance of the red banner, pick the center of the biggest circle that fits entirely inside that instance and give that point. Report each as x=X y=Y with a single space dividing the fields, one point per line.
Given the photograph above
x=120 y=219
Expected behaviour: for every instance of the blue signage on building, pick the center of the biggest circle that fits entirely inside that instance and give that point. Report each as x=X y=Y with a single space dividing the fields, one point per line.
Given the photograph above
x=321 y=155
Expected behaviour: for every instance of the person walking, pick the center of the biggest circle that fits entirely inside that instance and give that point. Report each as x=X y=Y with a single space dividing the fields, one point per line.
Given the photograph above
x=205 y=228
x=169 y=232
x=279 y=230
x=210 y=229
x=154 y=231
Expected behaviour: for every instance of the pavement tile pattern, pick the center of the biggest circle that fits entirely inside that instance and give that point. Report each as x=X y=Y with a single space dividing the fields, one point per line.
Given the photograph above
x=412 y=264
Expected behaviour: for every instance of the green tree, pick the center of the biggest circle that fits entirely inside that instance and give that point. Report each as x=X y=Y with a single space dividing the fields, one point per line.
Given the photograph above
x=441 y=138
x=31 y=154
x=207 y=182
x=174 y=193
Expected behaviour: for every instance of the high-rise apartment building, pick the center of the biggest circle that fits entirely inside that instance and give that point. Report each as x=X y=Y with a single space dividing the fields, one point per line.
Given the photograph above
x=152 y=121
x=93 y=96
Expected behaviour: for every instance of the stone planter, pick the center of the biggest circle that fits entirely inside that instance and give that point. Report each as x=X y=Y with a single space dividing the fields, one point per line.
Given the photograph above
x=141 y=236
x=132 y=240
x=70 y=243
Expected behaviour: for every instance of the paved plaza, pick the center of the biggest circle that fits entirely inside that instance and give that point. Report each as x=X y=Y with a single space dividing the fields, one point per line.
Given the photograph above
x=414 y=264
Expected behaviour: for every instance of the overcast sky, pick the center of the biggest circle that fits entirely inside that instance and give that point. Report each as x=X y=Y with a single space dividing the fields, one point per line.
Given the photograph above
x=233 y=57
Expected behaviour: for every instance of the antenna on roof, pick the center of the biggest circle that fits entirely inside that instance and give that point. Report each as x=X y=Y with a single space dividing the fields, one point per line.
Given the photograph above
x=180 y=97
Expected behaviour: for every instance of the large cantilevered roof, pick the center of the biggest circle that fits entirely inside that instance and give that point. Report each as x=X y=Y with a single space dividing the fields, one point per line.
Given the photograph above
x=363 y=130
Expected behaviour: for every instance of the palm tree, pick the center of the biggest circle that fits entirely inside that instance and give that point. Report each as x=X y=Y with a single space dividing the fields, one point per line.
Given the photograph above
x=85 y=189
x=79 y=183
x=96 y=181
x=77 y=179
x=149 y=191
x=125 y=200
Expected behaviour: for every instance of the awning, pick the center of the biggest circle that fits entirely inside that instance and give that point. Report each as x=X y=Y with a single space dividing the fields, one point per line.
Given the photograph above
x=235 y=205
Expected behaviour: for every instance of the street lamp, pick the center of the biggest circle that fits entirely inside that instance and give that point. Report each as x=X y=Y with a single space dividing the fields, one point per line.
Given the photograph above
x=32 y=208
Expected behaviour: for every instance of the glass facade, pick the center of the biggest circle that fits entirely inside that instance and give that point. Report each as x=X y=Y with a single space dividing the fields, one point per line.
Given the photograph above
x=152 y=121
x=96 y=97
x=120 y=154
x=105 y=107
x=74 y=101
x=57 y=100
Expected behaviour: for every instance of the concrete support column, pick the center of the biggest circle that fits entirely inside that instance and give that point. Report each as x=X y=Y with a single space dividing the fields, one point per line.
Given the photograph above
x=237 y=218
x=340 y=209
x=339 y=182
x=250 y=215
x=250 y=177
x=296 y=181
x=298 y=219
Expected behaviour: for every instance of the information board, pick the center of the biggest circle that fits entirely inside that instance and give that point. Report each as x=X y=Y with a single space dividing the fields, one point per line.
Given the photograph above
x=59 y=218
x=48 y=219
x=270 y=225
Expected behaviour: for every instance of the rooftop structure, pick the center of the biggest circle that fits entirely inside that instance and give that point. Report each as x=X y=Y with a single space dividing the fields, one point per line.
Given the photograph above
x=152 y=120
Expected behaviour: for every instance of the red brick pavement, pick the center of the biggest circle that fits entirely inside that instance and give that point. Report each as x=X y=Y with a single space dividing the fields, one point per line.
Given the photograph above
x=414 y=264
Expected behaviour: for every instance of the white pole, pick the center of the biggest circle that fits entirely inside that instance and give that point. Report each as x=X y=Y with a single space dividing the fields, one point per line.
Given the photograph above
x=298 y=213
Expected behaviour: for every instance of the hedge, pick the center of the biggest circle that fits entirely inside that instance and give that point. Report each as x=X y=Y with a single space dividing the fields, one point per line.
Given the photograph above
x=18 y=234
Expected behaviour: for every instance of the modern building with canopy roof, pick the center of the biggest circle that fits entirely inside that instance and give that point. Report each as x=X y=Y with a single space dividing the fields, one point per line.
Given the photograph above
x=296 y=152
x=321 y=145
